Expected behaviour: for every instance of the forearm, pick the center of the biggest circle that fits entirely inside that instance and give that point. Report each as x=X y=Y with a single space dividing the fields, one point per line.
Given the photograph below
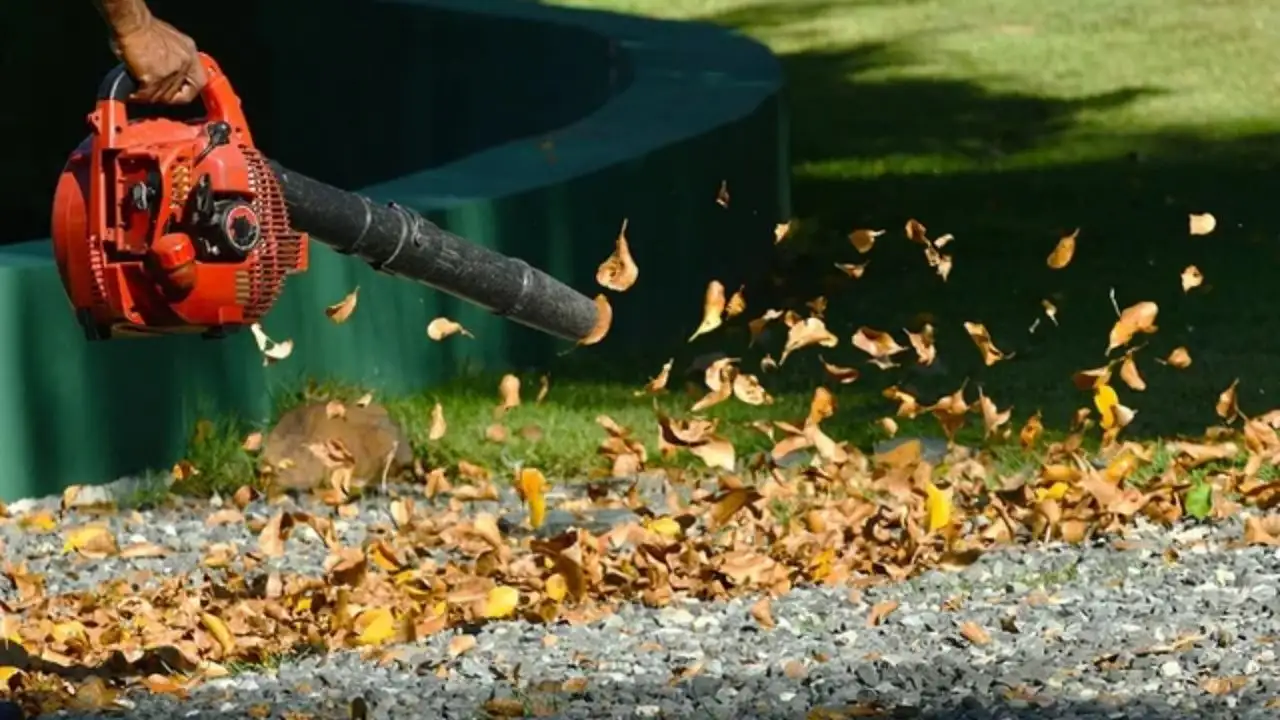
x=123 y=16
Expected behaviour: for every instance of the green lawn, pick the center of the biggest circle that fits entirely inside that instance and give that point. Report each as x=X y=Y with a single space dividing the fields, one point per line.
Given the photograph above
x=1005 y=123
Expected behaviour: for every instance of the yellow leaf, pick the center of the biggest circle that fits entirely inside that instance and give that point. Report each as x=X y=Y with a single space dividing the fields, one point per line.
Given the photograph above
x=1063 y=251
x=340 y=311
x=938 y=506
x=666 y=526
x=43 y=521
x=556 y=587
x=375 y=626
x=501 y=602
x=7 y=673
x=219 y=631
x=93 y=540
x=1106 y=400
x=532 y=487
x=1056 y=491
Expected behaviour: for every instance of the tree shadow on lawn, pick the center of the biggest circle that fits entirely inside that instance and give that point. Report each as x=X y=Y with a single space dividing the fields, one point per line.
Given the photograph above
x=874 y=152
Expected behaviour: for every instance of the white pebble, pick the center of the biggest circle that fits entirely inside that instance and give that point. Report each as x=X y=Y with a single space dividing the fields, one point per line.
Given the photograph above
x=648 y=710
x=1171 y=669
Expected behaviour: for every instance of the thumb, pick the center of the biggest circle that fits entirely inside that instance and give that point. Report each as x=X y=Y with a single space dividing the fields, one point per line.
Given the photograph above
x=186 y=93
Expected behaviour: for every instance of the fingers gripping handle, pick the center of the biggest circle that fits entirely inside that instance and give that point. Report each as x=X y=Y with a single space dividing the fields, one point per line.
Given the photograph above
x=219 y=99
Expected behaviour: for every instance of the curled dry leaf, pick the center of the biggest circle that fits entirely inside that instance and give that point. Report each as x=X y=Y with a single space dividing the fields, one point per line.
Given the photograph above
x=810 y=331
x=1137 y=318
x=1202 y=223
x=443 y=327
x=604 y=321
x=757 y=326
x=737 y=304
x=889 y=425
x=1063 y=251
x=252 y=442
x=880 y=611
x=1179 y=358
x=917 y=232
x=876 y=343
x=747 y=388
x=922 y=342
x=544 y=387
x=1227 y=407
x=842 y=375
x=619 y=271
x=340 y=311
x=438 y=426
x=271 y=350
x=853 y=270
x=1191 y=278
x=780 y=232
x=659 y=382
x=722 y=195
x=982 y=338
x=508 y=393
x=713 y=306
x=1130 y=375
x=864 y=240
x=974 y=633
x=992 y=418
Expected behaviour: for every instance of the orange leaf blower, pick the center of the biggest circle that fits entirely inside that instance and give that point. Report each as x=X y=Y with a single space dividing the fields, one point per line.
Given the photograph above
x=165 y=226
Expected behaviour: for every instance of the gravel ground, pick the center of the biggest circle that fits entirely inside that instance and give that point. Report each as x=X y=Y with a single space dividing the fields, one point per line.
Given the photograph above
x=1171 y=625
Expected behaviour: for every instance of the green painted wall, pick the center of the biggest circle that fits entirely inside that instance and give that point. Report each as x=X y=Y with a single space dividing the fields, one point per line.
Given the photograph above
x=447 y=106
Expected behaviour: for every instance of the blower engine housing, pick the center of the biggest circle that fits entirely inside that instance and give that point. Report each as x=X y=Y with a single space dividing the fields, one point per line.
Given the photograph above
x=167 y=226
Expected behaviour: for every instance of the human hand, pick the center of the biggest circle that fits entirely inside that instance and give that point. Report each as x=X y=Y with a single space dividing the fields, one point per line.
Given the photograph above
x=163 y=61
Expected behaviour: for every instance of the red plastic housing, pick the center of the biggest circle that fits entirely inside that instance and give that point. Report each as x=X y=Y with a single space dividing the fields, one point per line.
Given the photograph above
x=135 y=270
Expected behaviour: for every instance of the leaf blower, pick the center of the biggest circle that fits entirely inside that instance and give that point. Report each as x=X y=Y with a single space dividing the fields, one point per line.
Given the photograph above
x=165 y=226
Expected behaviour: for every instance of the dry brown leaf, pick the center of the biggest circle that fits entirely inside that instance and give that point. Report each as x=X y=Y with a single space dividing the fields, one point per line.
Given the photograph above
x=974 y=633
x=1130 y=375
x=271 y=350
x=442 y=327
x=1179 y=358
x=438 y=425
x=880 y=611
x=810 y=331
x=1063 y=251
x=544 y=387
x=737 y=304
x=659 y=382
x=604 y=321
x=922 y=342
x=713 y=306
x=1202 y=223
x=341 y=311
x=842 y=375
x=1137 y=318
x=619 y=271
x=780 y=232
x=762 y=611
x=722 y=195
x=1227 y=407
x=878 y=344
x=982 y=338
x=1191 y=278
x=508 y=393
x=992 y=418
x=864 y=240
x=853 y=270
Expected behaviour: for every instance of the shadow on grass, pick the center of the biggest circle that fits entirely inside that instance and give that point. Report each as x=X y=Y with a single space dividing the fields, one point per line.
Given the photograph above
x=1007 y=174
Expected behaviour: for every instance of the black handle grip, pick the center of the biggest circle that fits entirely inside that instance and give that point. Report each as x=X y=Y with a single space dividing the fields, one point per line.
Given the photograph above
x=118 y=85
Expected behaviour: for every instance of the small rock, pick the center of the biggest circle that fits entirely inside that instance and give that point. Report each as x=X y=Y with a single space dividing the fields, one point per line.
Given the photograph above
x=1171 y=669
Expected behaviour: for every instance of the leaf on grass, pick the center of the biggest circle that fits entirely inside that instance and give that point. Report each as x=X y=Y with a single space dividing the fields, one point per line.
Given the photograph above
x=272 y=351
x=713 y=306
x=619 y=271
x=438 y=425
x=1199 y=500
x=508 y=393
x=1063 y=251
x=340 y=311
x=442 y=327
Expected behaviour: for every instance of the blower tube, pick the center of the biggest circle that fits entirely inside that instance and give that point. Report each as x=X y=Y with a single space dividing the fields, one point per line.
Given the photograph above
x=398 y=241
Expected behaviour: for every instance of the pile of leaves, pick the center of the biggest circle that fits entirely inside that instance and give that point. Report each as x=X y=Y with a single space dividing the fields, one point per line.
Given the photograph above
x=841 y=516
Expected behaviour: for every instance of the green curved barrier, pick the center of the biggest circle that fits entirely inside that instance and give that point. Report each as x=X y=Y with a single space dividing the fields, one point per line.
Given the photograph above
x=531 y=129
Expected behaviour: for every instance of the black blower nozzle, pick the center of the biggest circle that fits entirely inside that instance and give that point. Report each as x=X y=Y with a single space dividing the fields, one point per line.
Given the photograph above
x=398 y=241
